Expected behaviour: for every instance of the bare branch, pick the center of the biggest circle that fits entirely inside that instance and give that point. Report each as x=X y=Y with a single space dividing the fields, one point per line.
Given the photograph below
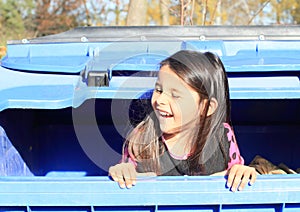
x=192 y=12
x=204 y=12
x=214 y=11
x=182 y=12
x=258 y=11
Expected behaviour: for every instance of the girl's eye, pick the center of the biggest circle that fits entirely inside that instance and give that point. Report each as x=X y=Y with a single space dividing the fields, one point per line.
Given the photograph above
x=175 y=96
x=158 y=90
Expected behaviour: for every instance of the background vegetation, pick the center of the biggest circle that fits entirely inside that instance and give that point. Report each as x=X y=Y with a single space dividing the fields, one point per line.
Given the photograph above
x=33 y=18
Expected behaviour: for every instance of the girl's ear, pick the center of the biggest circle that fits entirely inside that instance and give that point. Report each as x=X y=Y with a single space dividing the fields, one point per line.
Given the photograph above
x=213 y=104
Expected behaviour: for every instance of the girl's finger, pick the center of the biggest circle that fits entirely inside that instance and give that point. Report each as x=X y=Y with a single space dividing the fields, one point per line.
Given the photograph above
x=236 y=180
x=114 y=177
x=231 y=176
x=253 y=177
x=129 y=176
x=245 y=180
x=133 y=175
x=119 y=178
x=112 y=173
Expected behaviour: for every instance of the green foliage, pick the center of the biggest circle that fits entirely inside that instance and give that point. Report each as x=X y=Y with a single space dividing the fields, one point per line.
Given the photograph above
x=12 y=25
x=31 y=18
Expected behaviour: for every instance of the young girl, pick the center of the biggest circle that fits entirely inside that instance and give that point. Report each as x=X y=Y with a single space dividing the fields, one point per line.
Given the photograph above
x=189 y=131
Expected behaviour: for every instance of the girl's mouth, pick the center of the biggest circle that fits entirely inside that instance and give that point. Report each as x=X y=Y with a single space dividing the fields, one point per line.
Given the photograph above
x=165 y=114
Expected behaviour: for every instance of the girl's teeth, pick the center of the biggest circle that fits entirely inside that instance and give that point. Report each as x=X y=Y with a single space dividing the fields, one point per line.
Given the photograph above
x=165 y=114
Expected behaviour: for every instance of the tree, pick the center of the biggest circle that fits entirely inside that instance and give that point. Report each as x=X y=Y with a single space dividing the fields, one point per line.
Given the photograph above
x=137 y=13
x=54 y=16
x=31 y=18
x=284 y=11
x=296 y=13
x=164 y=10
x=11 y=19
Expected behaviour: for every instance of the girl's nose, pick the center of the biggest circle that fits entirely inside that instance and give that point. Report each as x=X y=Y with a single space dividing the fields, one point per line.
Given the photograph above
x=162 y=98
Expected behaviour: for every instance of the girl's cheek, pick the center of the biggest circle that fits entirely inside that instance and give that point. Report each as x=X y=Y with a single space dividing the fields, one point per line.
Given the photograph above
x=153 y=102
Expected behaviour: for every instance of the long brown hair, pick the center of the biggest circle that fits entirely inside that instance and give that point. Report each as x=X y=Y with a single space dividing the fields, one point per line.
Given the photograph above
x=205 y=73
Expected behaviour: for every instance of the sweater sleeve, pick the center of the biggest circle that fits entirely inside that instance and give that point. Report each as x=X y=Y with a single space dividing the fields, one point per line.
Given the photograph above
x=234 y=152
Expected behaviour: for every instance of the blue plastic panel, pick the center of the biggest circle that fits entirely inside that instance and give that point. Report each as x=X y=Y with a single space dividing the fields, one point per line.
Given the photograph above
x=253 y=56
x=67 y=58
x=54 y=75
x=269 y=193
x=54 y=91
x=72 y=58
x=238 y=56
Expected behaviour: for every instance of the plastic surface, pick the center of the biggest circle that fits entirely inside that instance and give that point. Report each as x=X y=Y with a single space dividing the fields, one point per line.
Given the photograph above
x=53 y=116
x=11 y=163
x=270 y=193
x=57 y=77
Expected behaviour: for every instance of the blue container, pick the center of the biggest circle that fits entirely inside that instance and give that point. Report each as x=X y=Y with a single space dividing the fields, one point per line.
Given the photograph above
x=68 y=100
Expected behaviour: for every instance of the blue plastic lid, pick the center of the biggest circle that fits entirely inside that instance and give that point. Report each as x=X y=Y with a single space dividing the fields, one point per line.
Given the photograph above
x=72 y=58
x=55 y=74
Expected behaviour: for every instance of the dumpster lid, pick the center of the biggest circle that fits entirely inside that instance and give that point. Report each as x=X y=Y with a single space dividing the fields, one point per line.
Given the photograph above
x=252 y=55
x=51 y=72
x=161 y=33
x=242 y=48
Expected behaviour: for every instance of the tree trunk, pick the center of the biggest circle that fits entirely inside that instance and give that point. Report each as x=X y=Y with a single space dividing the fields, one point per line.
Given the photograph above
x=164 y=8
x=137 y=13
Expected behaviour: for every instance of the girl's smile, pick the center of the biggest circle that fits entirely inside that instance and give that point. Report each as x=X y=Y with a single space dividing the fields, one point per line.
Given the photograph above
x=164 y=114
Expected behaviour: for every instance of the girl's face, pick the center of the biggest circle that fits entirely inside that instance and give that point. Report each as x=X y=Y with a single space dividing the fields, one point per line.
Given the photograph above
x=175 y=103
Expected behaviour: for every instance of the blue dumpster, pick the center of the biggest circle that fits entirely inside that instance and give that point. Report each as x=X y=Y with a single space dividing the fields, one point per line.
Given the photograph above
x=68 y=100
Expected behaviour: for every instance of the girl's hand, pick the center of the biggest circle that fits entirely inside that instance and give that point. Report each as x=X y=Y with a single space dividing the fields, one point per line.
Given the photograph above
x=239 y=176
x=124 y=174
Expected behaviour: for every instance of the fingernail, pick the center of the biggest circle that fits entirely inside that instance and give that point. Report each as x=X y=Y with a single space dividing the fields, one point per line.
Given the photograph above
x=122 y=185
x=129 y=186
x=133 y=182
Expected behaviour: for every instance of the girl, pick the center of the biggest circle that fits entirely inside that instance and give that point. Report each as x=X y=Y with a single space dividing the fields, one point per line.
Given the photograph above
x=189 y=131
